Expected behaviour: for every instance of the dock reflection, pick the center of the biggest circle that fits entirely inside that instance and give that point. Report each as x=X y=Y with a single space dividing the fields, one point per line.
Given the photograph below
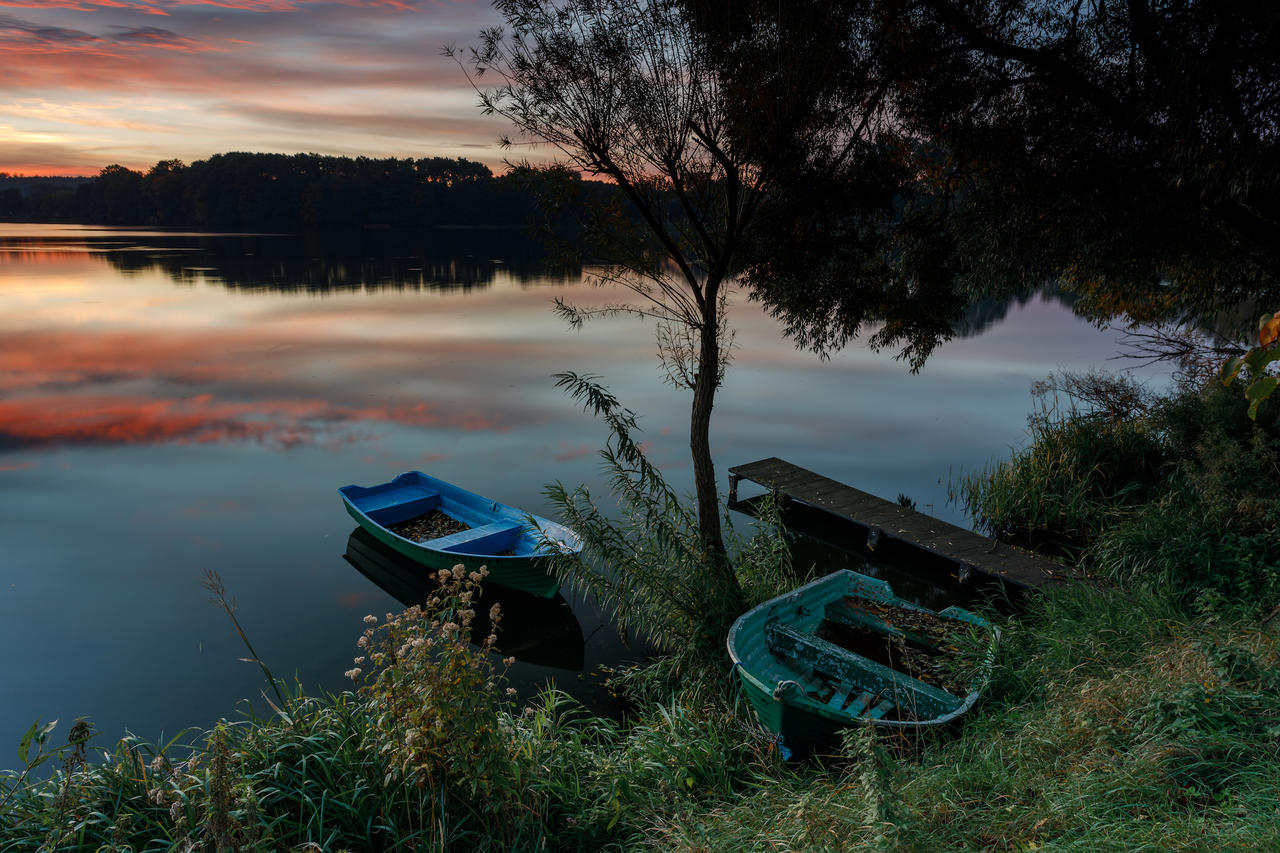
x=534 y=630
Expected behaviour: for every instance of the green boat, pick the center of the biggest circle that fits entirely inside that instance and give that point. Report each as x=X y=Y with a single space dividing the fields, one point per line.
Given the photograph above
x=844 y=648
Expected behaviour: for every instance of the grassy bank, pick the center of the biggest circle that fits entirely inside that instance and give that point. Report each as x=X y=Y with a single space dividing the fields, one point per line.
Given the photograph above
x=1116 y=723
x=1142 y=713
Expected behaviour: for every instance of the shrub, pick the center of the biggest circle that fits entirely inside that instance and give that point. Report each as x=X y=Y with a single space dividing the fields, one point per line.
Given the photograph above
x=1181 y=492
x=1082 y=472
x=650 y=565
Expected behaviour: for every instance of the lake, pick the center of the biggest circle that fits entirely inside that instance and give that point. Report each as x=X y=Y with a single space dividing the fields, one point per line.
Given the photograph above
x=172 y=403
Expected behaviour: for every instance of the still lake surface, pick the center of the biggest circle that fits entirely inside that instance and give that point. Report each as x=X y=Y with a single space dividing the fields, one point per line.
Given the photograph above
x=175 y=402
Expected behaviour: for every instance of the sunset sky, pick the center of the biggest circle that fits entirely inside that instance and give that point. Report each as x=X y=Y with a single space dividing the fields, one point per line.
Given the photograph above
x=87 y=83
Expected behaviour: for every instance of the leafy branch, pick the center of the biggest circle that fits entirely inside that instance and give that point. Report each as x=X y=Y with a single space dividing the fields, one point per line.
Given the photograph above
x=1261 y=386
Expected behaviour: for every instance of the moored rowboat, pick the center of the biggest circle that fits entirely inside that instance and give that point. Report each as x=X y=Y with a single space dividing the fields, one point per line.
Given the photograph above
x=844 y=648
x=440 y=525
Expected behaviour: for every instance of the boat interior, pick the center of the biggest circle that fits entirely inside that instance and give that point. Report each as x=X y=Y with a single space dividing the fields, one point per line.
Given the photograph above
x=850 y=683
x=397 y=502
x=844 y=658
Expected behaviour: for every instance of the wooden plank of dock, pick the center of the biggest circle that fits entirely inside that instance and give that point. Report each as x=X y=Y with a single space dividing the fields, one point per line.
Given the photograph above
x=970 y=551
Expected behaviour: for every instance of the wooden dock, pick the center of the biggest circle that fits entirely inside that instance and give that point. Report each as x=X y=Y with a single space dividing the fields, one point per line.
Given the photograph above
x=890 y=527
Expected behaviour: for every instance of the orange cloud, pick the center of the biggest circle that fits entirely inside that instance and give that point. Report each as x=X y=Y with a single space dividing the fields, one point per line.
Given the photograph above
x=65 y=359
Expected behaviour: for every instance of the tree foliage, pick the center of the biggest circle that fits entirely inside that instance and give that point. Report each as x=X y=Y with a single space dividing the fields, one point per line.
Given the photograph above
x=1128 y=148
x=1125 y=148
x=850 y=235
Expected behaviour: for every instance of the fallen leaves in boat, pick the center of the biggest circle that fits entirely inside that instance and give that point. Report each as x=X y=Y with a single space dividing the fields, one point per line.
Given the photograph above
x=937 y=650
x=432 y=525
x=926 y=625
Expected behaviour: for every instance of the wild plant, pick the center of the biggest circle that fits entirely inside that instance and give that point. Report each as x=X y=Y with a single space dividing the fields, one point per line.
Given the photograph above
x=652 y=564
x=649 y=563
x=601 y=783
x=872 y=772
x=1208 y=531
x=1181 y=492
x=213 y=584
x=13 y=783
x=440 y=707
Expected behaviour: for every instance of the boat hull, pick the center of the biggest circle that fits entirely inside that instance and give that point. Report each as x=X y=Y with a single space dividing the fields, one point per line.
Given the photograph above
x=514 y=546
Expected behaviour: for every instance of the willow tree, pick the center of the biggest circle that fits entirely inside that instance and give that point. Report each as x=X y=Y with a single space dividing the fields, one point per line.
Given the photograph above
x=627 y=92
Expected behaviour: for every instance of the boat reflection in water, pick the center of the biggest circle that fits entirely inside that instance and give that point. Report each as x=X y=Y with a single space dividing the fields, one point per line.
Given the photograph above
x=542 y=632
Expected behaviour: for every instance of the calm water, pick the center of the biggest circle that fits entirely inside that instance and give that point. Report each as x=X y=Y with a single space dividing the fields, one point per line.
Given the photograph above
x=171 y=403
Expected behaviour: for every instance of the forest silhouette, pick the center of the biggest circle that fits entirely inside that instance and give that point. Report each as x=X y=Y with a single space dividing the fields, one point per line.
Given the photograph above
x=282 y=192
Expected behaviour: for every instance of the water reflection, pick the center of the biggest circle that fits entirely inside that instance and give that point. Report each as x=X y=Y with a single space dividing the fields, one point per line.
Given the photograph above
x=441 y=260
x=533 y=629
x=982 y=314
x=438 y=259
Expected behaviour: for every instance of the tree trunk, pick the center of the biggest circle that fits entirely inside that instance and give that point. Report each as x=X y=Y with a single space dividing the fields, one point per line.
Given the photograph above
x=704 y=472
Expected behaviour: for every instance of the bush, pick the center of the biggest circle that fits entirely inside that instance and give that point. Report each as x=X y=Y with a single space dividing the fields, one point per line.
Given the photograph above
x=1082 y=473
x=648 y=562
x=438 y=704
x=1182 y=492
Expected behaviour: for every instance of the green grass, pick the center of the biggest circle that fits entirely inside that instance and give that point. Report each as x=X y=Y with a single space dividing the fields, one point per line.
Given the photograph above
x=1116 y=721
x=1095 y=738
x=1080 y=473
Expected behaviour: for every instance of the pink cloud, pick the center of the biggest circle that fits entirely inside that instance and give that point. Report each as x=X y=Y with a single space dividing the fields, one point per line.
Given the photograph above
x=235 y=74
x=51 y=360
x=157 y=38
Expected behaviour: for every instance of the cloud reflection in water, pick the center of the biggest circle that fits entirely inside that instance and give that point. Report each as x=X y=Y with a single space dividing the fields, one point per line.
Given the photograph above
x=114 y=360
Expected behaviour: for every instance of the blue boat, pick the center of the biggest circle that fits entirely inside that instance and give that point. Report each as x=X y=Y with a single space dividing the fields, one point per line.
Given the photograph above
x=441 y=525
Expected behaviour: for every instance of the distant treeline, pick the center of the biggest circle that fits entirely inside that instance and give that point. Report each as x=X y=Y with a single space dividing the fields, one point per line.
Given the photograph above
x=280 y=192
